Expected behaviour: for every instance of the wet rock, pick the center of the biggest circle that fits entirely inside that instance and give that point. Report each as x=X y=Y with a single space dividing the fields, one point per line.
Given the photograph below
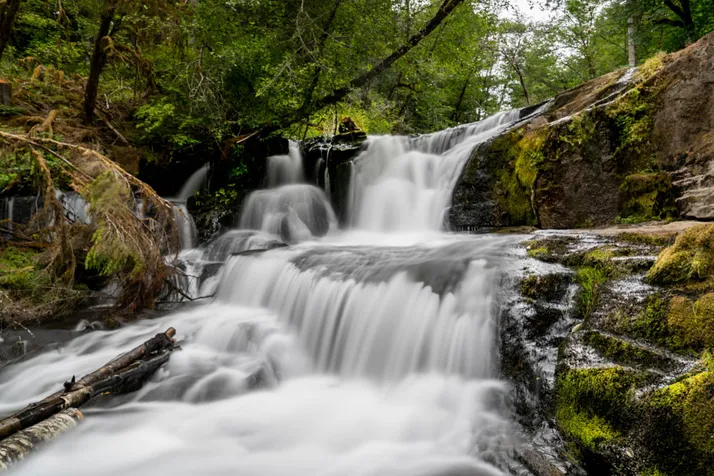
x=549 y=287
x=633 y=376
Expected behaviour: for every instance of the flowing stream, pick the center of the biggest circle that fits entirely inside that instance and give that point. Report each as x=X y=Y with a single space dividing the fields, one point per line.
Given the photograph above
x=366 y=351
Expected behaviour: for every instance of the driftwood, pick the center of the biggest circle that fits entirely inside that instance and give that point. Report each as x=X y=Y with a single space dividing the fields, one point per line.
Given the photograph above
x=124 y=373
x=18 y=446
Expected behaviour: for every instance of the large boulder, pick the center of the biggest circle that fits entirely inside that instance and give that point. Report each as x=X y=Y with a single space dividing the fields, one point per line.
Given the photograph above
x=630 y=146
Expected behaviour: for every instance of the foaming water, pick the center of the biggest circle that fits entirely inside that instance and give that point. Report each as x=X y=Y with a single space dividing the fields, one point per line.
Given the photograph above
x=294 y=212
x=363 y=353
x=405 y=183
x=288 y=209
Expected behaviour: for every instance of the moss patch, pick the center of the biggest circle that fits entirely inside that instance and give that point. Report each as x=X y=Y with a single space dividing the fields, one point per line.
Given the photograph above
x=692 y=322
x=625 y=353
x=680 y=424
x=647 y=196
x=548 y=287
x=690 y=259
x=593 y=405
x=647 y=239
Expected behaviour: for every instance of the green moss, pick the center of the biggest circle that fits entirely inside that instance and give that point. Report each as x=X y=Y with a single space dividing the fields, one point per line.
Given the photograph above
x=593 y=405
x=522 y=153
x=537 y=253
x=623 y=352
x=646 y=239
x=691 y=258
x=549 y=250
x=681 y=422
x=632 y=119
x=580 y=130
x=18 y=269
x=647 y=196
x=547 y=287
x=692 y=322
x=650 y=67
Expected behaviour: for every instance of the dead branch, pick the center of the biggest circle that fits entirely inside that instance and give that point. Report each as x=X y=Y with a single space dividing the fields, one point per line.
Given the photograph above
x=115 y=376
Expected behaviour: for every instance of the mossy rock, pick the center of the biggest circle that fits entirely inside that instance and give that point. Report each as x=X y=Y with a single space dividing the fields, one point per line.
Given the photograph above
x=651 y=240
x=690 y=259
x=679 y=426
x=692 y=322
x=623 y=352
x=595 y=405
x=550 y=287
x=647 y=196
x=549 y=250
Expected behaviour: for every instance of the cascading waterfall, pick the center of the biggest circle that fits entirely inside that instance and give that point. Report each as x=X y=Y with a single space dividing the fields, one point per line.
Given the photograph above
x=405 y=183
x=288 y=209
x=327 y=357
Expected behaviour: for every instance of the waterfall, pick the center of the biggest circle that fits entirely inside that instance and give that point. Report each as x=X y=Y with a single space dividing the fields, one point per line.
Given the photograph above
x=354 y=354
x=184 y=221
x=405 y=183
x=7 y=212
x=288 y=209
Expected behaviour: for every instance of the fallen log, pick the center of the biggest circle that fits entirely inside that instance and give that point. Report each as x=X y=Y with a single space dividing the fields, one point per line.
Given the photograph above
x=119 y=375
x=18 y=446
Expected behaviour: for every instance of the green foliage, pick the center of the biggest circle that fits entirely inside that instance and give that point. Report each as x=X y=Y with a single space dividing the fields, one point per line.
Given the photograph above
x=110 y=253
x=591 y=279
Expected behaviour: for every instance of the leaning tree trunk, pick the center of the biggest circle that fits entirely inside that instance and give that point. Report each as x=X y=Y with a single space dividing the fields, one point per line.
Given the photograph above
x=8 y=13
x=99 y=59
x=15 y=448
x=445 y=9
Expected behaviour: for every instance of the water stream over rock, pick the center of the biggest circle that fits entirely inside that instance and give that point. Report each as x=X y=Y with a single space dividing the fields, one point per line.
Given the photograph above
x=368 y=351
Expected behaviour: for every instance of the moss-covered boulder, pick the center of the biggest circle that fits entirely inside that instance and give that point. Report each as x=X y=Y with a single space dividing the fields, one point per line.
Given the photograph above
x=602 y=153
x=690 y=259
x=678 y=426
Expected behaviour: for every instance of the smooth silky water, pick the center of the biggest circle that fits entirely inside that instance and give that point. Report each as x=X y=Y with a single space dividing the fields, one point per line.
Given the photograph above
x=370 y=351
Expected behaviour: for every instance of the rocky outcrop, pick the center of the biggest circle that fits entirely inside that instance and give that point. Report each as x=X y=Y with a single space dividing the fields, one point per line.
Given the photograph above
x=625 y=371
x=631 y=146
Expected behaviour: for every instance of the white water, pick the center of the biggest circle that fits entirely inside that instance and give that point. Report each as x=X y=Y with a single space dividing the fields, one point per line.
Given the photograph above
x=184 y=220
x=288 y=209
x=404 y=183
x=361 y=354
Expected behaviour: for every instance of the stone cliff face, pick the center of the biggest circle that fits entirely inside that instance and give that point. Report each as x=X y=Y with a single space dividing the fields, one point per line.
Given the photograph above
x=631 y=146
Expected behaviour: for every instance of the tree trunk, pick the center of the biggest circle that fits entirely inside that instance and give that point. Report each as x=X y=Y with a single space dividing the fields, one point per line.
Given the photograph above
x=118 y=375
x=8 y=13
x=15 y=448
x=446 y=8
x=5 y=93
x=99 y=59
x=320 y=48
x=631 y=58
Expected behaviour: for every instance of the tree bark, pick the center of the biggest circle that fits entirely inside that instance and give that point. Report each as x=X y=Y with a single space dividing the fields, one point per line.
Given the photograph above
x=120 y=374
x=631 y=57
x=15 y=448
x=446 y=8
x=99 y=59
x=8 y=13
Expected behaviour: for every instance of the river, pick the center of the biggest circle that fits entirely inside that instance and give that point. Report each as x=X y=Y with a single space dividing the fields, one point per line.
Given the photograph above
x=369 y=350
